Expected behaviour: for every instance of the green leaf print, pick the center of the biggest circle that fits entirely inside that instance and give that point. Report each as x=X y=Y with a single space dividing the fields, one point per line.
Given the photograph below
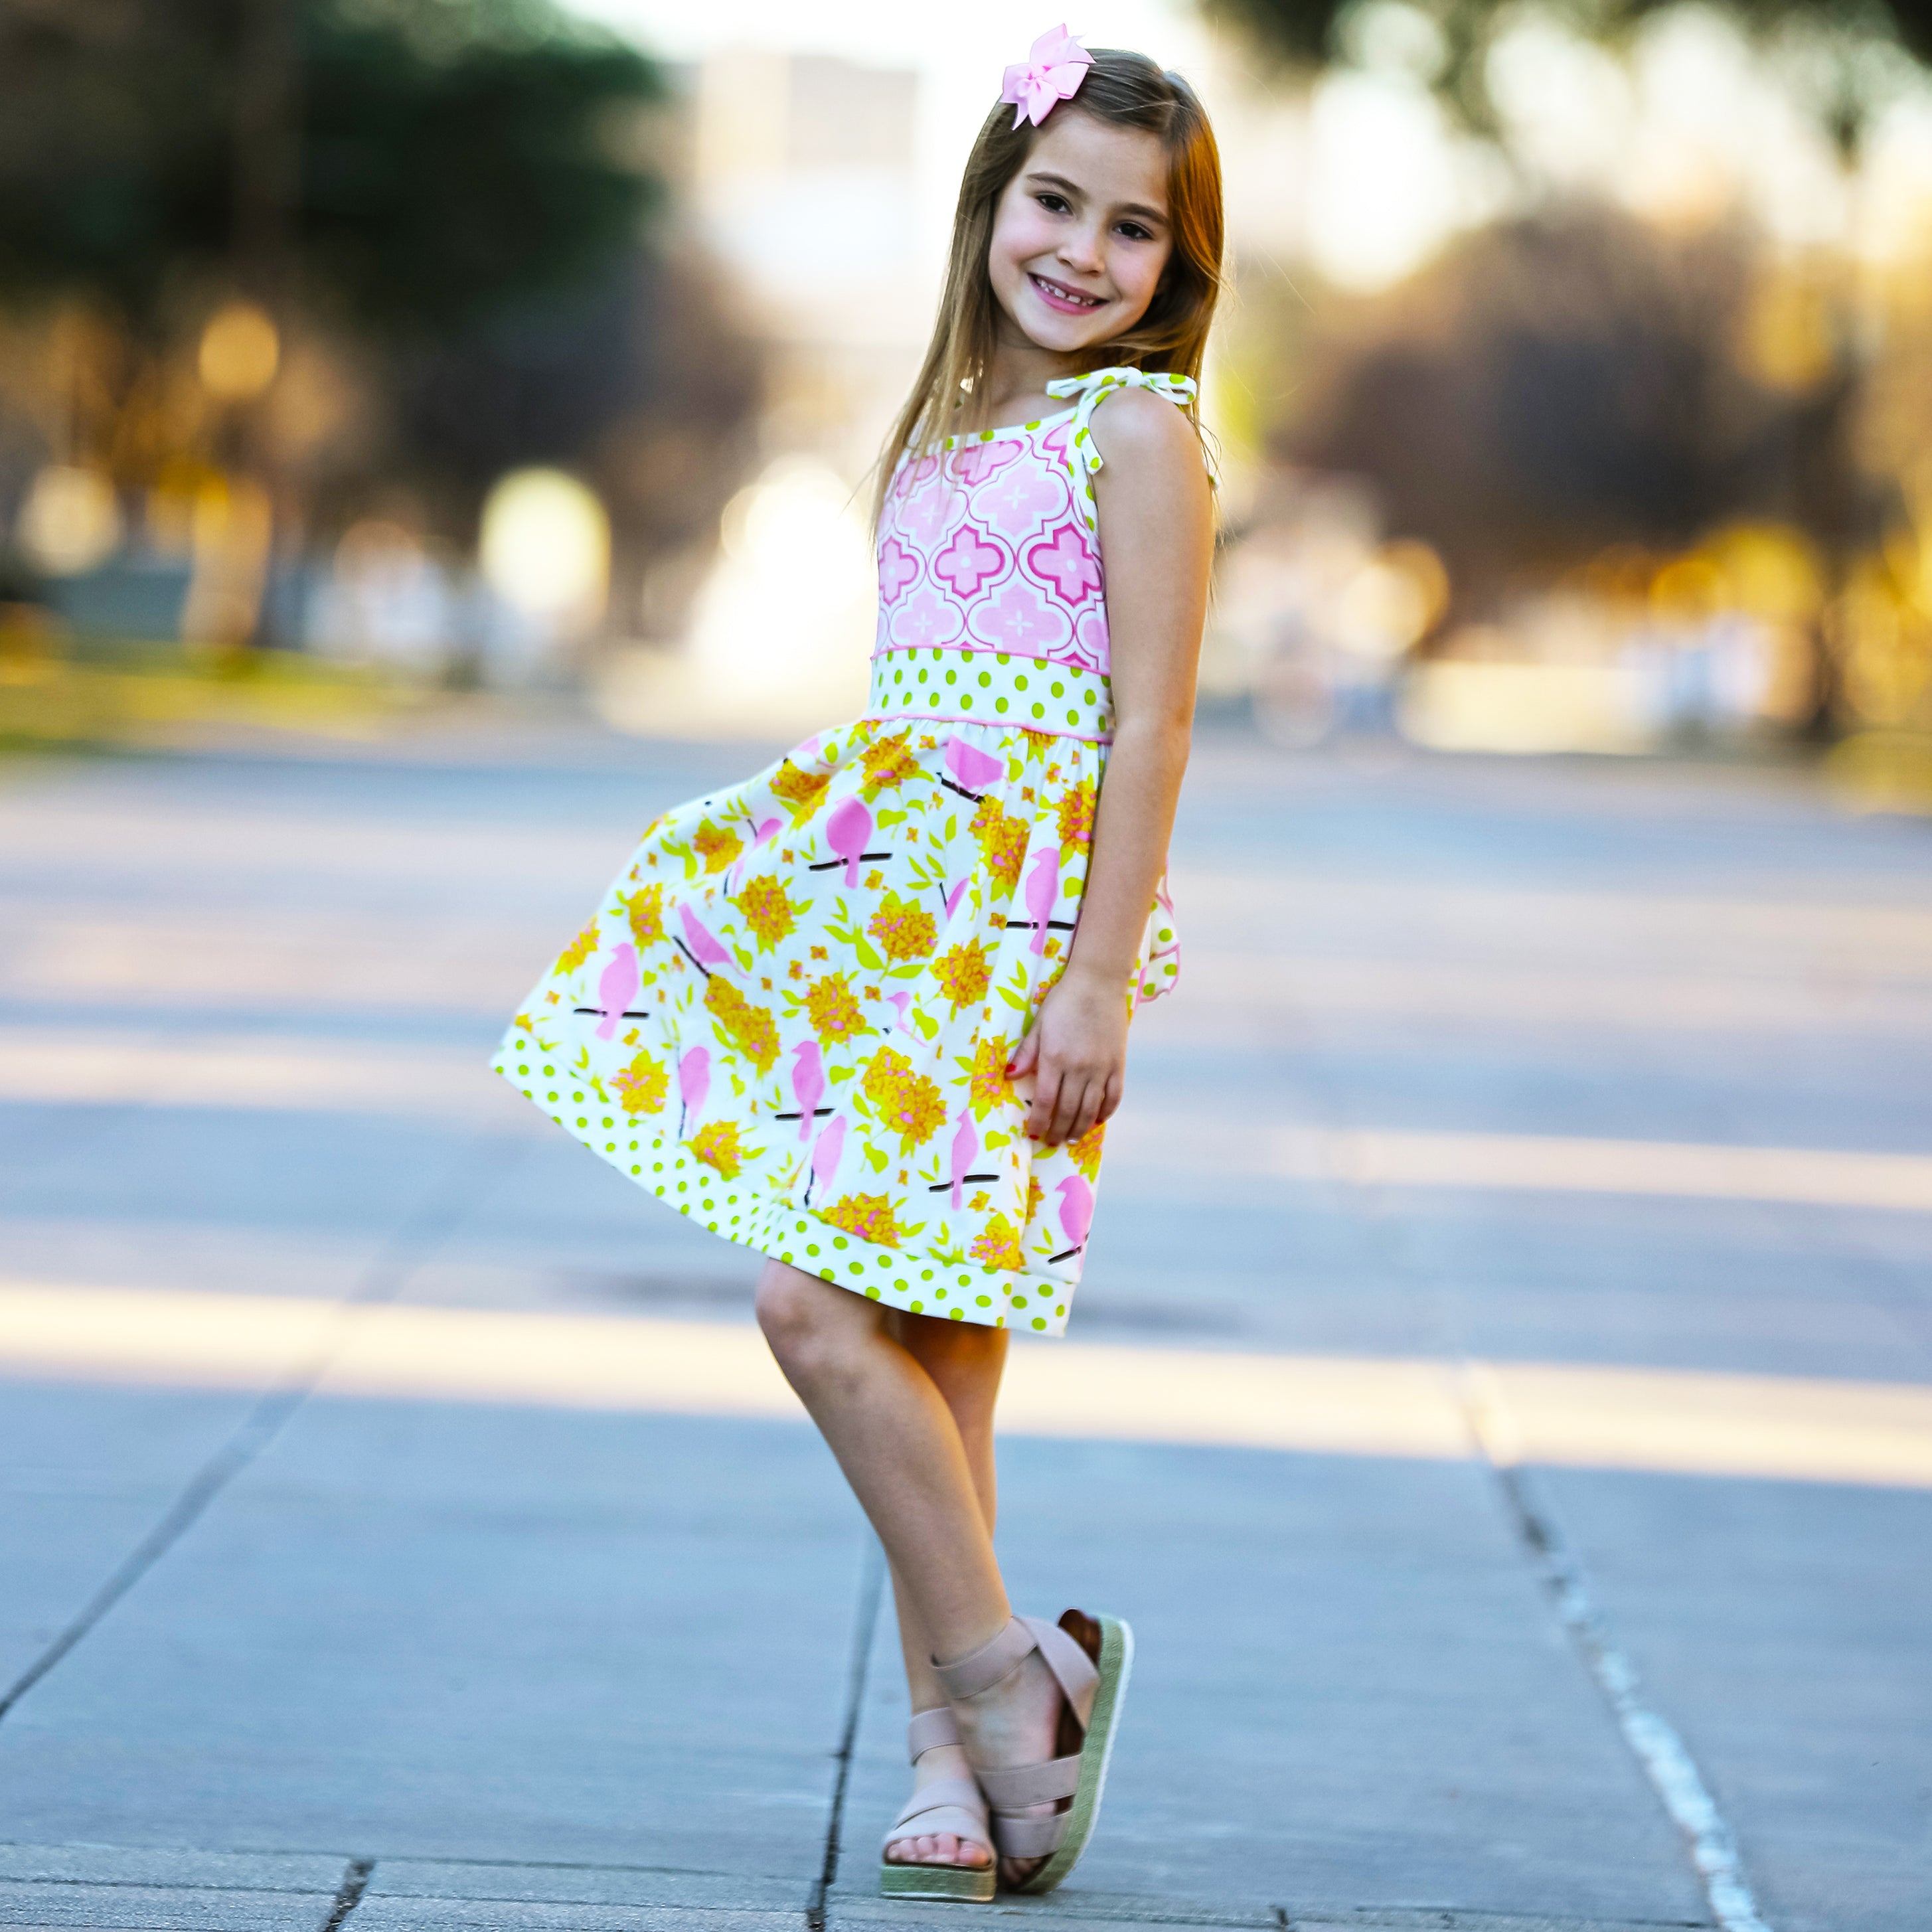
x=893 y=818
x=743 y=957
x=867 y=958
x=879 y=1158
x=995 y=1139
x=926 y=1024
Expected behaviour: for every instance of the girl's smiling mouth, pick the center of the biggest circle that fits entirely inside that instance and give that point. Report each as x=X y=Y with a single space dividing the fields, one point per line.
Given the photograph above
x=1069 y=302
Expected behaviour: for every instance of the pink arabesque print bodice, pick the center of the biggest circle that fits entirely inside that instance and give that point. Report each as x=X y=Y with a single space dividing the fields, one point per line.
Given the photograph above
x=991 y=545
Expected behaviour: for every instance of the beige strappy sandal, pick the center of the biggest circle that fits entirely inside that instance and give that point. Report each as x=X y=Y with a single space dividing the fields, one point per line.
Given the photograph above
x=1092 y=1658
x=955 y=1805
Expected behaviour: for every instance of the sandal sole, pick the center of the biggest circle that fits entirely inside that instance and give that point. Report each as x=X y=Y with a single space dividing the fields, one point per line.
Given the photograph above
x=972 y=1885
x=1116 y=1666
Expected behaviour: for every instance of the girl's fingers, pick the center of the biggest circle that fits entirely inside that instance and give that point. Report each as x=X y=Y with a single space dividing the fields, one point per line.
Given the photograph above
x=1045 y=1103
x=1066 y=1109
x=1023 y=1059
x=1110 y=1104
x=1093 y=1104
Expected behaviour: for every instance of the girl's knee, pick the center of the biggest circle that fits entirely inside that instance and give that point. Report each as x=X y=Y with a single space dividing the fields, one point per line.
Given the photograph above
x=799 y=1318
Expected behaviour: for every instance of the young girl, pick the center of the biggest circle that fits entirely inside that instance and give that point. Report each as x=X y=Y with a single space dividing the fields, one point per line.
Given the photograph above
x=867 y=1013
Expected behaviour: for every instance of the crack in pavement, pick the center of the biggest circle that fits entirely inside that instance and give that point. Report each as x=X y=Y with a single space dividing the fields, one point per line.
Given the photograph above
x=871 y=1577
x=404 y=1251
x=348 y=1894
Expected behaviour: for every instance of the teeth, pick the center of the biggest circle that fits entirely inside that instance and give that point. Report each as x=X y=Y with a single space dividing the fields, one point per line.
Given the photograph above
x=1068 y=295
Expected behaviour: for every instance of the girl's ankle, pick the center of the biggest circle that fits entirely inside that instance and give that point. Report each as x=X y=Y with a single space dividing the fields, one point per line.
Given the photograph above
x=941 y=1761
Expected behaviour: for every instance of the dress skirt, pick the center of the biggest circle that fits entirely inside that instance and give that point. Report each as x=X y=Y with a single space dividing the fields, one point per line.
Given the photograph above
x=791 y=1015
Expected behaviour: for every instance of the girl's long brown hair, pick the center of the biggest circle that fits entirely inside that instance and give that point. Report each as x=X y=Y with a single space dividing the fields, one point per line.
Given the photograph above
x=1121 y=90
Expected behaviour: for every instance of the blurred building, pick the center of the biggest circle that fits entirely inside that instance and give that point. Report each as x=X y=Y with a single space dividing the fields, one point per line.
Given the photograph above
x=798 y=171
x=803 y=183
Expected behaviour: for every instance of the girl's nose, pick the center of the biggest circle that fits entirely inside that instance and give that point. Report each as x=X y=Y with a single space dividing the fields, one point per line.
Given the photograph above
x=1081 y=250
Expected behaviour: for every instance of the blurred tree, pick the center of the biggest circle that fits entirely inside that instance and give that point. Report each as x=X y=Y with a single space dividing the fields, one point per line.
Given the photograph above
x=451 y=157
x=1846 y=61
x=1555 y=387
x=1850 y=48
x=457 y=192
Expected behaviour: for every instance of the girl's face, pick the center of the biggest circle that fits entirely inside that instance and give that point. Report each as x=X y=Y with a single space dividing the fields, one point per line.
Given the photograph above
x=1080 y=236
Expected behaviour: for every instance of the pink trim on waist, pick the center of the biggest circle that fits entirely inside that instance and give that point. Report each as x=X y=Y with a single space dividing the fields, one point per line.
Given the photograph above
x=1039 y=730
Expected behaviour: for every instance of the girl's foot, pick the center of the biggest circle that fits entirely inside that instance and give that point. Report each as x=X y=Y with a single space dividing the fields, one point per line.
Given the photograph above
x=940 y=1844
x=946 y=1764
x=1036 y=1708
x=1018 y=1722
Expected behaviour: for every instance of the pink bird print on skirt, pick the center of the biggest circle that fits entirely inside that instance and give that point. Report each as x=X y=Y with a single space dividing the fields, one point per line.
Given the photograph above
x=846 y=831
x=1076 y=1215
x=1042 y=891
x=763 y=834
x=703 y=950
x=972 y=769
x=808 y=1085
x=693 y=1086
x=826 y=1154
x=965 y=1151
x=617 y=988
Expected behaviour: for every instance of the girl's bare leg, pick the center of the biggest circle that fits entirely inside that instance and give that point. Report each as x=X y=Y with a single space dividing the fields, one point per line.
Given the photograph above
x=878 y=1401
x=965 y=1361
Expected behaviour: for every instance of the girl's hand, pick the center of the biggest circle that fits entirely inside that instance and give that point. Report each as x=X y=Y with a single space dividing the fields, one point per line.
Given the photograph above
x=1077 y=1055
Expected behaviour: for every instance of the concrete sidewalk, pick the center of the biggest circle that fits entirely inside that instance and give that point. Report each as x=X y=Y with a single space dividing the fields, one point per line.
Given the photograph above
x=286 y=1657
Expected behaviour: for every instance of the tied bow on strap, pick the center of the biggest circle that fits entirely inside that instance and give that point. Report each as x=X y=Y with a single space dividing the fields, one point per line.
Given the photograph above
x=1054 y=68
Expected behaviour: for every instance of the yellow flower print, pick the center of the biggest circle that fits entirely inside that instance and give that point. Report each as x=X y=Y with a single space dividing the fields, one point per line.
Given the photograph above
x=1076 y=819
x=645 y=910
x=965 y=973
x=1086 y=1150
x=1035 y=1194
x=717 y=845
x=868 y=1216
x=908 y=1102
x=999 y=1246
x=641 y=1086
x=579 y=950
x=988 y=1088
x=836 y=1014
x=765 y=909
x=904 y=928
x=889 y=761
x=801 y=790
x=748 y=1027
x=1002 y=842
x=717 y=1146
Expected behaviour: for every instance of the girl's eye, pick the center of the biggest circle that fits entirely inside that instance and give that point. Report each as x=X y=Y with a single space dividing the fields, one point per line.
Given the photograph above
x=1134 y=231
x=1054 y=204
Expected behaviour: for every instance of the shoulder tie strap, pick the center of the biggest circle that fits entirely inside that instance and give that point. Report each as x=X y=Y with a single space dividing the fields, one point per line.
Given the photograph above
x=1083 y=459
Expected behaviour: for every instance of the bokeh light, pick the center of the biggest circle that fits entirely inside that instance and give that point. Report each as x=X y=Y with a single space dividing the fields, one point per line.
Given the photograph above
x=545 y=548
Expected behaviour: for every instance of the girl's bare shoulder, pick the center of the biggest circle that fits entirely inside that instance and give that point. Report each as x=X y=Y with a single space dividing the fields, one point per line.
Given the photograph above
x=1136 y=429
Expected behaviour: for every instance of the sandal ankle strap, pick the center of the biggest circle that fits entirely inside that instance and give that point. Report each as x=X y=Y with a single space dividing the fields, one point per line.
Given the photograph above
x=999 y=1656
x=929 y=1730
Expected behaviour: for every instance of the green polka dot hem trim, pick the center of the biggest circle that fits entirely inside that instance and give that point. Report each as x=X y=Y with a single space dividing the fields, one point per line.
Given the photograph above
x=919 y=1283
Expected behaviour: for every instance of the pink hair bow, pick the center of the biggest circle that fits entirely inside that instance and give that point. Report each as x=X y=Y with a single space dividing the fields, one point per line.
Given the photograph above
x=1054 y=68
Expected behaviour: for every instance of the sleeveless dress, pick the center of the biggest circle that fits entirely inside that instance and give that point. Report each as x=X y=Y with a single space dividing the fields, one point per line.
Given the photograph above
x=791 y=1015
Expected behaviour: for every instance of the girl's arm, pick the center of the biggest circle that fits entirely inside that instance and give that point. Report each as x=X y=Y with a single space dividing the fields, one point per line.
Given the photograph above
x=1157 y=536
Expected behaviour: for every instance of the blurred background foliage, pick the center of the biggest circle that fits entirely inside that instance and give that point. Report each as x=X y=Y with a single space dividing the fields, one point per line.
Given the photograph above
x=277 y=268
x=1844 y=58
x=1573 y=394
